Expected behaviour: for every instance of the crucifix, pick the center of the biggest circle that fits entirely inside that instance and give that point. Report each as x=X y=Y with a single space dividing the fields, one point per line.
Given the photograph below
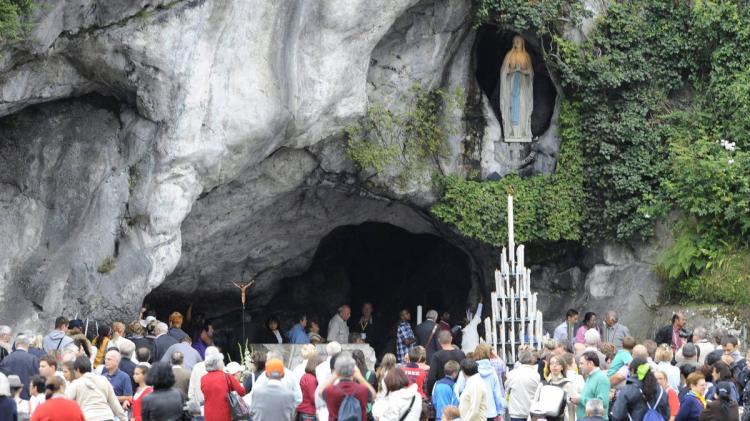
x=243 y=288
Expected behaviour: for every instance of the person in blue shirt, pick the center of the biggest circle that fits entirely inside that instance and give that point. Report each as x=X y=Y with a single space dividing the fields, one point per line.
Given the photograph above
x=117 y=378
x=297 y=334
x=442 y=392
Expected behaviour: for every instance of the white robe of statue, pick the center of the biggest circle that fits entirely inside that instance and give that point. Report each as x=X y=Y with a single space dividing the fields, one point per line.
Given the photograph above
x=517 y=93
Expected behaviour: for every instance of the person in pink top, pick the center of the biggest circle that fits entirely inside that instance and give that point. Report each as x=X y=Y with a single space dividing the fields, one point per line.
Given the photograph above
x=589 y=322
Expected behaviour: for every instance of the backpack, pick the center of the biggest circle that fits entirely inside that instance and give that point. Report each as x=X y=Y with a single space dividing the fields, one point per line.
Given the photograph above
x=350 y=409
x=651 y=413
x=551 y=401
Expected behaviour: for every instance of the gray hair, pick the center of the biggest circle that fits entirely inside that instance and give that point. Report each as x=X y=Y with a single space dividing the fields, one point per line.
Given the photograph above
x=551 y=344
x=126 y=348
x=333 y=348
x=116 y=353
x=594 y=408
x=5 y=330
x=214 y=362
x=592 y=337
x=432 y=315
x=162 y=327
x=344 y=366
x=525 y=357
x=700 y=332
x=22 y=341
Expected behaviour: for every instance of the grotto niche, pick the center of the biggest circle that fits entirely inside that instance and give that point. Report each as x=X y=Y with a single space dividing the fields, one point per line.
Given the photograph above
x=491 y=47
x=375 y=262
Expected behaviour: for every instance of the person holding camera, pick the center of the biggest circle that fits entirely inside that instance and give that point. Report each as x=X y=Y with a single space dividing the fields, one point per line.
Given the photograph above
x=674 y=335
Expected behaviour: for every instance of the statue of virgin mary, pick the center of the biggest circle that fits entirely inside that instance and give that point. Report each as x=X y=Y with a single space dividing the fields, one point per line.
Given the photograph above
x=517 y=93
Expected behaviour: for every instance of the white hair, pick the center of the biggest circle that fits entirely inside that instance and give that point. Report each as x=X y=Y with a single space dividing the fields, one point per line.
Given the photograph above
x=333 y=348
x=592 y=337
x=5 y=330
x=126 y=348
x=214 y=362
x=432 y=315
x=211 y=350
x=162 y=327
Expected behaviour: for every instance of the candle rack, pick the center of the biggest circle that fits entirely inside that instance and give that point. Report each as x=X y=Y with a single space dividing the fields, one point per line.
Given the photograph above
x=516 y=320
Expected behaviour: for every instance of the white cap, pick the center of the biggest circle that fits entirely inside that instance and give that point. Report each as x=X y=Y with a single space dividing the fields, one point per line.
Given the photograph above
x=233 y=368
x=148 y=320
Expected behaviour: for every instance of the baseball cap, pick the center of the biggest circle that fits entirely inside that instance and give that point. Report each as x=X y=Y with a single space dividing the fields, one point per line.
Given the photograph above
x=274 y=369
x=75 y=323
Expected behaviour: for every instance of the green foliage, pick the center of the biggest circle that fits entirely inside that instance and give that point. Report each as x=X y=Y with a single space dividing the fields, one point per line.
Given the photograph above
x=539 y=16
x=660 y=89
x=107 y=265
x=547 y=207
x=13 y=18
x=404 y=141
x=622 y=77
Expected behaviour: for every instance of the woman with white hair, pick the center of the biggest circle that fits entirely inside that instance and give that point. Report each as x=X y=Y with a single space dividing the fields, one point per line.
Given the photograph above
x=199 y=370
x=215 y=386
x=7 y=404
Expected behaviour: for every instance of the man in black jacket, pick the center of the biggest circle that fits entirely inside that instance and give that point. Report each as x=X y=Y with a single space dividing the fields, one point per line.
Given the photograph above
x=674 y=334
x=21 y=363
x=427 y=334
x=447 y=353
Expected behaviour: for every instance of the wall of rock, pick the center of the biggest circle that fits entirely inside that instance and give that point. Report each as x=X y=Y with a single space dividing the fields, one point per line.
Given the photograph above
x=176 y=146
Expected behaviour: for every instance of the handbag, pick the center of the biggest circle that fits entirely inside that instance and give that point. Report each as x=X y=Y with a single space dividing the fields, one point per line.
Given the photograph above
x=237 y=406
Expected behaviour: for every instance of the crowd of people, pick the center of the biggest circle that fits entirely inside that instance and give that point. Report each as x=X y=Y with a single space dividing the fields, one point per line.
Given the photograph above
x=153 y=370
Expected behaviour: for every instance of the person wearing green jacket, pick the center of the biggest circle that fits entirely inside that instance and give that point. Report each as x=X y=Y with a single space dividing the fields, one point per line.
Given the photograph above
x=596 y=387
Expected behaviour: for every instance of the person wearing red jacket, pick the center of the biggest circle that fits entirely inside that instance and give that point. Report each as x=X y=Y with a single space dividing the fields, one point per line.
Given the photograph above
x=414 y=372
x=57 y=407
x=215 y=386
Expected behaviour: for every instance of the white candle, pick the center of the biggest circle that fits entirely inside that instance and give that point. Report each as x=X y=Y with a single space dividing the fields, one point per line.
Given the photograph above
x=521 y=256
x=522 y=314
x=512 y=343
x=502 y=341
x=511 y=238
x=512 y=304
x=504 y=257
x=532 y=332
x=488 y=331
x=528 y=280
x=419 y=314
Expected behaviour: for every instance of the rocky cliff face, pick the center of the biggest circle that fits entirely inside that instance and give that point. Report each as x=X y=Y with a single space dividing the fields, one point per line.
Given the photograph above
x=187 y=144
x=197 y=141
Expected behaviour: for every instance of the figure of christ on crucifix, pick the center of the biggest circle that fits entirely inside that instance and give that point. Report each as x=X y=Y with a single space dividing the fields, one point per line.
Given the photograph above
x=243 y=288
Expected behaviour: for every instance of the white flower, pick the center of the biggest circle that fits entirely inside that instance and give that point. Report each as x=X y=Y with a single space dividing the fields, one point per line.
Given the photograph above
x=731 y=161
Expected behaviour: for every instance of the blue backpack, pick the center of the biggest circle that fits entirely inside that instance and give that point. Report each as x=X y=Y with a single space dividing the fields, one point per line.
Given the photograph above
x=652 y=414
x=350 y=409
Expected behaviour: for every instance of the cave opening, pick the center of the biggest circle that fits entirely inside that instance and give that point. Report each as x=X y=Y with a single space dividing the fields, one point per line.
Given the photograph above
x=491 y=46
x=375 y=262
